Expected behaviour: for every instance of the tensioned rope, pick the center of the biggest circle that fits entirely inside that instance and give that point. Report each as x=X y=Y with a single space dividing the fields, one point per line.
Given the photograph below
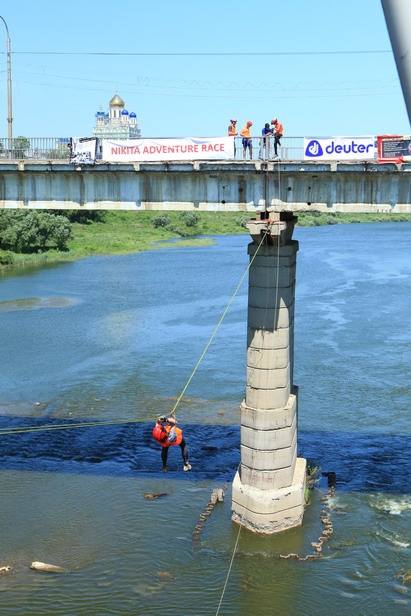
x=275 y=313
x=25 y=429
x=218 y=325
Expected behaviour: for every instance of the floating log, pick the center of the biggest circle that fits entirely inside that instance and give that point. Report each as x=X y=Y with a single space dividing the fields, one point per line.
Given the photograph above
x=38 y=566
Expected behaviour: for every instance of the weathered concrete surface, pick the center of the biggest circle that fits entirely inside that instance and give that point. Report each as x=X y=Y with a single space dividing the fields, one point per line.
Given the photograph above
x=268 y=490
x=247 y=186
x=270 y=511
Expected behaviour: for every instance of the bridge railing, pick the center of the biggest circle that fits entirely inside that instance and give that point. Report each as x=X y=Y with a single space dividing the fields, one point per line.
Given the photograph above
x=291 y=148
x=57 y=148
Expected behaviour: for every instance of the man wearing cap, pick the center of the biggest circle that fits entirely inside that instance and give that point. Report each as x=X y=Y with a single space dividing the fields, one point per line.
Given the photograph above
x=247 y=141
x=278 y=133
x=167 y=434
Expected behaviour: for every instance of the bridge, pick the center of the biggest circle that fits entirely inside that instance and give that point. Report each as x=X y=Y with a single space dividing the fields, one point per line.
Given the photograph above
x=234 y=185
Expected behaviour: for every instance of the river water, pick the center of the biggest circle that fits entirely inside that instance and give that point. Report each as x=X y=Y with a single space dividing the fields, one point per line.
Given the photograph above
x=116 y=339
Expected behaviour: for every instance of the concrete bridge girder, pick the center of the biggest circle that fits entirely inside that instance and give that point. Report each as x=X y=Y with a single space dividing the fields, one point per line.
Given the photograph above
x=248 y=186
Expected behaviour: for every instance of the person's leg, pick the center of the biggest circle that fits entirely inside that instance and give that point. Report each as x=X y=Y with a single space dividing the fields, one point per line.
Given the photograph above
x=184 y=453
x=164 y=455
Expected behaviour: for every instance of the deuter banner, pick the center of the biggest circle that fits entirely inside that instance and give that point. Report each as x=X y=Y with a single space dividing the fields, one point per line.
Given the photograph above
x=188 y=148
x=339 y=148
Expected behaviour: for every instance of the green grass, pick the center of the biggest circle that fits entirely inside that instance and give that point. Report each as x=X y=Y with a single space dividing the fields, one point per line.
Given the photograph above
x=125 y=232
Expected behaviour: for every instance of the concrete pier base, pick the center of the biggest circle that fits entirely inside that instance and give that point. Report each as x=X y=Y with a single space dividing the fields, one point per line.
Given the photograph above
x=270 y=511
x=269 y=488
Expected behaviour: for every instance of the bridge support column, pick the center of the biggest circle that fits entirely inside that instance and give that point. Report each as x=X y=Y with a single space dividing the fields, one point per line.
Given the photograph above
x=268 y=490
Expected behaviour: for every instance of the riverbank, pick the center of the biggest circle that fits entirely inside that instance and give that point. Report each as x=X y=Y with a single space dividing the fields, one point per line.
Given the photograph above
x=127 y=232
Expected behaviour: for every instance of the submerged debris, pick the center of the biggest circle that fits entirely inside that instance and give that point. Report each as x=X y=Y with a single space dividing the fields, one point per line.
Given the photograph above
x=217 y=495
x=325 y=519
x=5 y=569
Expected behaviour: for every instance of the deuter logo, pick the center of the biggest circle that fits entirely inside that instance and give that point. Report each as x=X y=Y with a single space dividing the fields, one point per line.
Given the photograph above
x=339 y=148
x=314 y=149
x=347 y=148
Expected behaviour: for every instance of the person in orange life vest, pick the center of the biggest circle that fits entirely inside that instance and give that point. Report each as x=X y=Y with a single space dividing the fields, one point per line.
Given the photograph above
x=247 y=141
x=167 y=434
x=278 y=133
x=232 y=131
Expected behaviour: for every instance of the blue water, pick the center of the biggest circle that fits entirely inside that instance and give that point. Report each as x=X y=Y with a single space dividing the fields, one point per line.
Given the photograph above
x=118 y=338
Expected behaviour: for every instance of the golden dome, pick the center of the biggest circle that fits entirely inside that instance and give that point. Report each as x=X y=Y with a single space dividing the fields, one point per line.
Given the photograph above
x=116 y=101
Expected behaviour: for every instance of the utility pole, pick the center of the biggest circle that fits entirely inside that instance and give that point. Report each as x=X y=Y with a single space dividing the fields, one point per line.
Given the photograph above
x=9 y=103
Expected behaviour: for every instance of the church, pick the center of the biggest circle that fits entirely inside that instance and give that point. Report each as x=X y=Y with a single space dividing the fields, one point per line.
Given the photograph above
x=118 y=123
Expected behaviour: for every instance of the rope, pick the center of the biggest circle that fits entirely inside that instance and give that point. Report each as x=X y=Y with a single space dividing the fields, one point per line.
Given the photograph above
x=25 y=429
x=217 y=327
x=275 y=315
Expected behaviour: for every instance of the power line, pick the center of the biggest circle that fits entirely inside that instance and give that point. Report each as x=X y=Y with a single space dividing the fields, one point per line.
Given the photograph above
x=200 y=53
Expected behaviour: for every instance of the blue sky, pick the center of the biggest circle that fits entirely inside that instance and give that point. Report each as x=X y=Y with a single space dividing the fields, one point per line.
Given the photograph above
x=249 y=60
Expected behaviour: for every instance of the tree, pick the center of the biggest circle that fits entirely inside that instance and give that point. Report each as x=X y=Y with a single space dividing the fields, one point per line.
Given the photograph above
x=20 y=146
x=32 y=231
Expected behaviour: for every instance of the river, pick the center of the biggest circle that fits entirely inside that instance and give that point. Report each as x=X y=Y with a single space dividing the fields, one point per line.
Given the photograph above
x=115 y=339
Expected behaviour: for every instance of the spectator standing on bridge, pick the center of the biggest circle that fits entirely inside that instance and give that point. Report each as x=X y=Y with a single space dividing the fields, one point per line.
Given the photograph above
x=265 y=141
x=247 y=141
x=278 y=131
x=167 y=434
x=232 y=131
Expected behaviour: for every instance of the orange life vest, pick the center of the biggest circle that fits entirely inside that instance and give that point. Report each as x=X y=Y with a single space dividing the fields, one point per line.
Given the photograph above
x=160 y=434
x=278 y=127
x=232 y=131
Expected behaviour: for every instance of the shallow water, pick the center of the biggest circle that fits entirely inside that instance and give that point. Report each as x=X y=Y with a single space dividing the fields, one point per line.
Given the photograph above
x=118 y=341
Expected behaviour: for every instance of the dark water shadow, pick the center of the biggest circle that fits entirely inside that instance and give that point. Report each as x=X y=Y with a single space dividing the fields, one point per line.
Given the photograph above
x=362 y=462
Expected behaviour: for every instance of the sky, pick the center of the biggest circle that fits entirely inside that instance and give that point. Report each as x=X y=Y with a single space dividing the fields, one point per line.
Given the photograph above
x=322 y=67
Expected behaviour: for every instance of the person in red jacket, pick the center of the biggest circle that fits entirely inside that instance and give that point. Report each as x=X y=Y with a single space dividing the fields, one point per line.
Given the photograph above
x=166 y=433
x=278 y=131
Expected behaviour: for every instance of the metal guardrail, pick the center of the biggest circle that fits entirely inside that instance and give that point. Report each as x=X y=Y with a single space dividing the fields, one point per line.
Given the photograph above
x=291 y=148
x=57 y=148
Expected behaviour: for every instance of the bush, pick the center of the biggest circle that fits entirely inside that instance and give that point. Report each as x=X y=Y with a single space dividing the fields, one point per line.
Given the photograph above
x=180 y=231
x=83 y=217
x=6 y=257
x=161 y=220
x=190 y=219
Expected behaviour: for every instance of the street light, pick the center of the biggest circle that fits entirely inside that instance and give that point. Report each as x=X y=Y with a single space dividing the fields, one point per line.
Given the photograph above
x=10 y=116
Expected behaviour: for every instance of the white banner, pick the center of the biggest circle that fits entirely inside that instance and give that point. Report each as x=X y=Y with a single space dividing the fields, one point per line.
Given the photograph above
x=339 y=148
x=188 y=148
x=83 y=150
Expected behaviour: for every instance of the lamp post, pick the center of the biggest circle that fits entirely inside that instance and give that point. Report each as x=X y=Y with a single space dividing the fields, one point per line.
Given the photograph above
x=9 y=116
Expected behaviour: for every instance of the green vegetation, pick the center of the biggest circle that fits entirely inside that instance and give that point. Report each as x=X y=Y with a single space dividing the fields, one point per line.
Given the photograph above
x=32 y=236
x=33 y=231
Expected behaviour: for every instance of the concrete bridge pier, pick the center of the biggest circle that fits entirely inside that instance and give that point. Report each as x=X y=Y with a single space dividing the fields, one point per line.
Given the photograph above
x=268 y=490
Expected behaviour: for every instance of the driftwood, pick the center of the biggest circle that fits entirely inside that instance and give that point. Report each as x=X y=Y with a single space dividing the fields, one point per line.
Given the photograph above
x=159 y=495
x=38 y=566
